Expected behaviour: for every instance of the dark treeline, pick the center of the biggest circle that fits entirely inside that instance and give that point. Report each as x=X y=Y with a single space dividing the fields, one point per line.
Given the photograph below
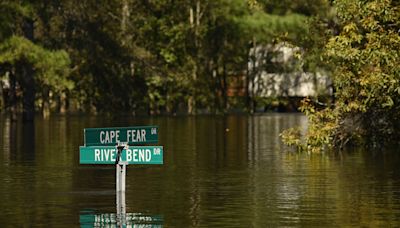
x=142 y=56
x=196 y=56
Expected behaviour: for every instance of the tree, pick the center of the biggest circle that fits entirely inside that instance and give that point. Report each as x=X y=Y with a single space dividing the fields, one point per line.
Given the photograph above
x=155 y=56
x=366 y=79
x=26 y=63
x=51 y=68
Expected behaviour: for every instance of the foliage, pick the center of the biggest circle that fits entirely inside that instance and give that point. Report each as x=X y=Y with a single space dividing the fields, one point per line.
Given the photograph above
x=152 y=56
x=51 y=67
x=366 y=78
x=266 y=27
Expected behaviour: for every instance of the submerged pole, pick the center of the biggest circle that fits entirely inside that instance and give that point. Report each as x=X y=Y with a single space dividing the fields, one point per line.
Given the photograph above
x=120 y=188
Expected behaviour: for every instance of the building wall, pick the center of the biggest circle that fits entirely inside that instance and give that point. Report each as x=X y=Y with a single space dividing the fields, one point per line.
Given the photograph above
x=277 y=71
x=296 y=84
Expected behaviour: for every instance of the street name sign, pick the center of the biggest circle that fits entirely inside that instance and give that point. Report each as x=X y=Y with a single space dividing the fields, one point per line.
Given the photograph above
x=113 y=136
x=140 y=155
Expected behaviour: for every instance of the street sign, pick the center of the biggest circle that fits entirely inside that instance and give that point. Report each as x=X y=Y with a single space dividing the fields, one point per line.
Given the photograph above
x=146 y=155
x=113 y=136
x=114 y=146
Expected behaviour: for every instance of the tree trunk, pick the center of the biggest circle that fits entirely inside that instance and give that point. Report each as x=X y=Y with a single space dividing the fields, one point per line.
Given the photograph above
x=194 y=20
x=224 y=89
x=124 y=21
x=46 y=103
x=217 y=86
x=191 y=100
x=29 y=90
x=247 y=82
x=212 y=71
x=63 y=103
x=1 y=97
x=252 y=74
x=127 y=40
x=29 y=93
x=12 y=97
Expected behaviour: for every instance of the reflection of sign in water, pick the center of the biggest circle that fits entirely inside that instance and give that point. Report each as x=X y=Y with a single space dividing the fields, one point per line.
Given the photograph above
x=146 y=155
x=111 y=220
x=113 y=136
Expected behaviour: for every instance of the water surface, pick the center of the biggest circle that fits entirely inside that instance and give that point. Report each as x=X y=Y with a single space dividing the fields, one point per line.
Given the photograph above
x=228 y=171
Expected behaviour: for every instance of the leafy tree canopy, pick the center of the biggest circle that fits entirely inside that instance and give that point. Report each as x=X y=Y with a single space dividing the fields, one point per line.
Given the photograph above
x=51 y=67
x=366 y=78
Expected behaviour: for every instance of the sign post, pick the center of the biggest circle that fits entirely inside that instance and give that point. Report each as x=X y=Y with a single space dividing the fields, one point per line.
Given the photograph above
x=120 y=186
x=119 y=146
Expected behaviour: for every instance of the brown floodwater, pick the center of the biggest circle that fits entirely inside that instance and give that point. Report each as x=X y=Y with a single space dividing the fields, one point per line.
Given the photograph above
x=229 y=171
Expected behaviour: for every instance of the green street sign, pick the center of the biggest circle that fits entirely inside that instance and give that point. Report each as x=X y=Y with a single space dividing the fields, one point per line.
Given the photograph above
x=145 y=155
x=113 y=136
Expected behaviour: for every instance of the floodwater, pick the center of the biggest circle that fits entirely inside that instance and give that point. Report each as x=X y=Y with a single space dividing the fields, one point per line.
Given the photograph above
x=227 y=171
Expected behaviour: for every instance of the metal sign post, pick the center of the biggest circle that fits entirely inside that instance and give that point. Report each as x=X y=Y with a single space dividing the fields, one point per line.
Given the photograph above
x=120 y=173
x=120 y=201
x=100 y=149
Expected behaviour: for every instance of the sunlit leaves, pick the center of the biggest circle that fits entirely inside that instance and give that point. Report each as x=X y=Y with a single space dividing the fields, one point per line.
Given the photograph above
x=365 y=55
x=51 y=67
x=267 y=26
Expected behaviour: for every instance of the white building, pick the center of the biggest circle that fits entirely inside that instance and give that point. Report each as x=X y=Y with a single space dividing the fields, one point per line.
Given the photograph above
x=277 y=72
